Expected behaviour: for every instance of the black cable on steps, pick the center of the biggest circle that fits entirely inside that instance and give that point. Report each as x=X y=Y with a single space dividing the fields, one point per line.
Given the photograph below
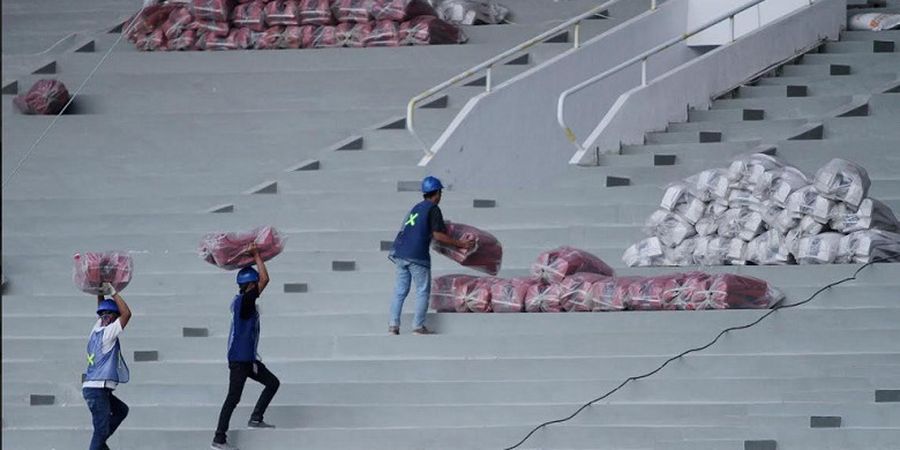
x=696 y=349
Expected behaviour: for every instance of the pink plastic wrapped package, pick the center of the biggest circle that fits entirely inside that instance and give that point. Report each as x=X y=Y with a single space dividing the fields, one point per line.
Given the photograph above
x=611 y=293
x=353 y=34
x=316 y=12
x=244 y=38
x=283 y=12
x=731 y=291
x=654 y=293
x=292 y=37
x=185 y=41
x=213 y=41
x=477 y=294
x=509 y=295
x=271 y=38
x=207 y=27
x=693 y=286
x=554 y=265
x=151 y=42
x=385 y=33
x=215 y=10
x=542 y=297
x=44 y=97
x=151 y=18
x=92 y=269
x=229 y=250
x=486 y=256
x=429 y=30
x=325 y=37
x=400 y=10
x=445 y=292
x=575 y=291
x=250 y=15
x=351 y=10
x=178 y=22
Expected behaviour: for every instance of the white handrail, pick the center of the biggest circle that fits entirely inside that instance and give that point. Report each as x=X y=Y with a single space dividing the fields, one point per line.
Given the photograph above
x=489 y=64
x=561 y=103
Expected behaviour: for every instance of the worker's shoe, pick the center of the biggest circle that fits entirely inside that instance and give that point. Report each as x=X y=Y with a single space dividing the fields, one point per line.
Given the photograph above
x=222 y=446
x=422 y=330
x=259 y=424
x=394 y=330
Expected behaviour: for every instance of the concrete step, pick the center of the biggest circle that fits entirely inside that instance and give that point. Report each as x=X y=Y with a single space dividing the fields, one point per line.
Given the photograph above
x=787 y=108
x=868 y=64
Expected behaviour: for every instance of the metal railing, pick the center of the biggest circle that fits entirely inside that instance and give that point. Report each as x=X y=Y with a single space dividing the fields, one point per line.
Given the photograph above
x=642 y=58
x=489 y=64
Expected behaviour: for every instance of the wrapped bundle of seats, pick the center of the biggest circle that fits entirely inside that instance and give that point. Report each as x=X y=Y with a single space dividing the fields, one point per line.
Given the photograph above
x=819 y=248
x=229 y=250
x=92 y=269
x=485 y=256
x=769 y=248
x=844 y=181
x=213 y=41
x=429 y=30
x=316 y=12
x=271 y=38
x=575 y=294
x=244 y=38
x=508 y=295
x=204 y=28
x=603 y=293
x=554 y=265
x=250 y=15
x=869 y=245
x=654 y=293
x=357 y=11
x=156 y=40
x=353 y=34
x=542 y=297
x=808 y=201
x=693 y=284
x=471 y=12
x=385 y=33
x=325 y=37
x=746 y=172
x=731 y=291
x=187 y=40
x=214 y=10
x=148 y=20
x=777 y=185
x=283 y=12
x=400 y=10
x=670 y=228
x=445 y=292
x=871 y=214
x=646 y=252
x=44 y=97
x=292 y=38
x=178 y=22
x=476 y=295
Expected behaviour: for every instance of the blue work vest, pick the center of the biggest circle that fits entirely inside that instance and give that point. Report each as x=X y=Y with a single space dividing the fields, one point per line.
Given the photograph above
x=109 y=366
x=244 y=337
x=414 y=239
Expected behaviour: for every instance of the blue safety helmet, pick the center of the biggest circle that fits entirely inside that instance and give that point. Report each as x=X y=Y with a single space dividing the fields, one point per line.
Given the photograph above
x=431 y=184
x=107 y=305
x=247 y=275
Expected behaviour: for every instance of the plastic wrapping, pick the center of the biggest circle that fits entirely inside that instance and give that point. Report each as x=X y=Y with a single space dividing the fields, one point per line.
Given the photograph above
x=874 y=22
x=713 y=184
x=670 y=228
x=682 y=254
x=654 y=293
x=283 y=12
x=819 y=249
x=244 y=38
x=44 y=97
x=476 y=295
x=352 y=34
x=706 y=226
x=185 y=41
x=148 y=20
x=646 y=252
x=712 y=251
x=271 y=38
x=509 y=295
x=741 y=223
x=228 y=250
x=207 y=27
x=400 y=10
x=775 y=186
x=743 y=198
x=179 y=21
x=485 y=256
x=731 y=291
x=445 y=292
x=808 y=201
x=215 y=10
x=385 y=33
x=554 y=265
x=748 y=170
x=870 y=245
x=356 y=11
x=610 y=293
x=292 y=37
x=211 y=41
x=92 y=269
x=471 y=12
x=316 y=12
x=324 y=37
x=250 y=15
x=844 y=181
x=575 y=291
x=769 y=248
x=152 y=42
x=429 y=30
x=542 y=297
x=871 y=214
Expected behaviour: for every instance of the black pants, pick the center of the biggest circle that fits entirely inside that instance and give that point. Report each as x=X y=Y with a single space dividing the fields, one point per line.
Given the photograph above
x=240 y=371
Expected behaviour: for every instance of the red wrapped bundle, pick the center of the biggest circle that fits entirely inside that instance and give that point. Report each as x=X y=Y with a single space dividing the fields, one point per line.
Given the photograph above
x=212 y=41
x=308 y=36
x=244 y=38
x=509 y=295
x=611 y=293
x=229 y=250
x=44 y=97
x=654 y=293
x=204 y=27
x=283 y=12
x=477 y=294
x=185 y=41
x=731 y=291
x=316 y=12
x=542 y=297
x=271 y=38
x=694 y=286
x=574 y=291
x=352 y=10
x=325 y=37
x=427 y=30
x=214 y=10
x=554 y=265
x=400 y=10
x=178 y=22
x=292 y=37
x=445 y=293
x=151 y=18
x=93 y=269
x=385 y=33
x=153 y=41
x=250 y=15
x=485 y=256
x=352 y=34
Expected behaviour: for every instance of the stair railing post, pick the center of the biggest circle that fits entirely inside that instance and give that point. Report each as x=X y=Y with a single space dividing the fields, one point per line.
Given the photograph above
x=488 y=78
x=577 y=38
x=731 y=21
x=644 y=72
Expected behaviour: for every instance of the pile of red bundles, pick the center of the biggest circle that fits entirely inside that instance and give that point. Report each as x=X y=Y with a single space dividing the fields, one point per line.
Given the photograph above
x=575 y=291
x=400 y=10
x=178 y=22
x=445 y=292
x=385 y=33
x=654 y=293
x=316 y=12
x=215 y=10
x=148 y=20
x=542 y=297
x=352 y=10
x=509 y=295
x=476 y=295
x=353 y=34
x=153 y=41
x=485 y=256
x=611 y=293
x=250 y=15
x=271 y=38
x=293 y=37
x=325 y=37
x=731 y=291
x=554 y=265
x=92 y=269
x=244 y=38
x=207 y=27
x=283 y=12
x=427 y=30
x=229 y=250
x=44 y=97
x=212 y=41
x=185 y=41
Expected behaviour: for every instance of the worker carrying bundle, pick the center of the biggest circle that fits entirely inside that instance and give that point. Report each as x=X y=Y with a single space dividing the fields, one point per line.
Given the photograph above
x=485 y=256
x=229 y=250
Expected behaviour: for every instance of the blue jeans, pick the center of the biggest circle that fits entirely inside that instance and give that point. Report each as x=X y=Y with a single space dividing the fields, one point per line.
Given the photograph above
x=408 y=271
x=108 y=412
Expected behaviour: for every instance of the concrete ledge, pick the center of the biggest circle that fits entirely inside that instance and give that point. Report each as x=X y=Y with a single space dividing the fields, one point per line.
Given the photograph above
x=519 y=60
x=397 y=123
x=351 y=143
x=438 y=103
x=146 y=355
x=88 y=47
x=295 y=288
x=41 y=399
x=194 y=332
x=408 y=186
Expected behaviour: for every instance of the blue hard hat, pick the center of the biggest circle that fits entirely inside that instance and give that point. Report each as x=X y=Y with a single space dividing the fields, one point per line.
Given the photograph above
x=107 y=305
x=247 y=275
x=431 y=184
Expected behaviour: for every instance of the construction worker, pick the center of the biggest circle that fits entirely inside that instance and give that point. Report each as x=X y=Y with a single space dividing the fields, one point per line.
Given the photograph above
x=410 y=253
x=243 y=358
x=106 y=367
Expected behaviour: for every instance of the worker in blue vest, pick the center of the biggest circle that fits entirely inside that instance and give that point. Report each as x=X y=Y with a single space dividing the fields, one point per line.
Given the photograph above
x=410 y=253
x=106 y=367
x=243 y=357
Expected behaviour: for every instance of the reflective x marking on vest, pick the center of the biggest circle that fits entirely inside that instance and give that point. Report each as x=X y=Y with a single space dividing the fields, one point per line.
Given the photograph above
x=90 y=358
x=412 y=219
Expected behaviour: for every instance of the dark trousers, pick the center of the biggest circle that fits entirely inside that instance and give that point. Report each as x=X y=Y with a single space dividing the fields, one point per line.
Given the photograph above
x=240 y=371
x=108 y=412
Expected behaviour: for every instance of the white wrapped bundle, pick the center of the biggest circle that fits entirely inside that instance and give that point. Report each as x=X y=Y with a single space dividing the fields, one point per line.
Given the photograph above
x=768 y=248
x=808 y=201
x=819 y=249
x=646 y=252
x=742 y=223
x=777 y=185
x=706 y=226
x=809 y=227
x=712 y=251
x=675 y=194
x=871 y=214
x=843 y=180
x=777 y=218
x=670 y=228
x=868 y=245
x=792 y=241
x=682 y=254
x=747 y=171
x=737 y=252
x=679 y=199
x=715 y=182
x=739 y=198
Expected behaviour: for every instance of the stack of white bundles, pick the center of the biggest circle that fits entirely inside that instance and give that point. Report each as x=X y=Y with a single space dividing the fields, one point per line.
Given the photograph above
x=646 y=252
x=843 y=181
x=712 y=251
x=871 y=214
x=679 y=199
x=808 y=201
x=808 y=226
x=683 y=253
x=768 y=248
x=777 y=218
x=747 y=171
x=819 y=249
x=777 y=185
x=870 y=245
x=737 y=252
x=669 y=227
x=715 y=182
x=739 y=198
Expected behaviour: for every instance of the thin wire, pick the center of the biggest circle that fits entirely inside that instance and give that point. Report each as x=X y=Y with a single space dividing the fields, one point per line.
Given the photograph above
x=694 y=350
x=71 y=99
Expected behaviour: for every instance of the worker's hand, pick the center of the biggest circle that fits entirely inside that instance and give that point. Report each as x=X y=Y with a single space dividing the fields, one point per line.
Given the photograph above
x=107 y=289
x=467 y=244
x=252 y=249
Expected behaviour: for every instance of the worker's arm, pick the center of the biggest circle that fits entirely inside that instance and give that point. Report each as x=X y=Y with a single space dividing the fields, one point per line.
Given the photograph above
x=124 y=310
x=261 y=265
x=445 y=239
